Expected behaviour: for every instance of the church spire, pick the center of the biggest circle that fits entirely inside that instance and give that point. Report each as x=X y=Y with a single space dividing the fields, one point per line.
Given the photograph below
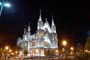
x=29 y=29
x=25 y=30
x=40 y=18
x=53 y=26
x=40 y=22
x=46 y=19
x=52 y=21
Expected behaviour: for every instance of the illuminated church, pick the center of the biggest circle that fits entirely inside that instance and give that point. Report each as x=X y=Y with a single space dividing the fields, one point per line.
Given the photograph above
x=45 y=38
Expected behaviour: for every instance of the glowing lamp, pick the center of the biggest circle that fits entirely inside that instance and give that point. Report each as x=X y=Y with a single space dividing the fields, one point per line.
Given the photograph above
x=64 y=42
x=0 y=3
x=72 y=48
x=6 y=47
x=10 y=50
x=7 y=5
x=16 y=52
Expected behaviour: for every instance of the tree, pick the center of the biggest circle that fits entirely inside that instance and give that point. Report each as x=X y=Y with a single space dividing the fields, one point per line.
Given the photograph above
x=87 y=44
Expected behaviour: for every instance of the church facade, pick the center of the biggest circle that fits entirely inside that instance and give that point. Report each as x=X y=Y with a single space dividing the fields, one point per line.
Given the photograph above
x=44 y=39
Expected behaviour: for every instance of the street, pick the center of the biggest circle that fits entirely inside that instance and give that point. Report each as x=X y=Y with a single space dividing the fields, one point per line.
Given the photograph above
x=41 y=59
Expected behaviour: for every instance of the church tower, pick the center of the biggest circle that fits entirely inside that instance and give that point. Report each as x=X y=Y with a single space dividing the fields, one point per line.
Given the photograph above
x=40 y=22
x=25 y=39
x=25 y=34
x=29 y=38
x=54 y=34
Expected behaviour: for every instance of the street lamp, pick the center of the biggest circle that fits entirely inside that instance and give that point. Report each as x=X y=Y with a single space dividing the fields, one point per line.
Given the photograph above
x=71 y=48
x=6 y=47
x=57 y=52
x=10 y=50
x=3 y=4
x=64 y=42
x=86 y=50
x=16 y=52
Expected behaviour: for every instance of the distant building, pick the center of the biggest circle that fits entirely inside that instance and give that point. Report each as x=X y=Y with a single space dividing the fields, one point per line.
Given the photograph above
x=45 y=38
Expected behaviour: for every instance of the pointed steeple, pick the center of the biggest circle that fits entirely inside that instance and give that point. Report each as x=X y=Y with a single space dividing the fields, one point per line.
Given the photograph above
x=29 y=29
x=53 y=27
x=40 y=22
x=40 y=18
x=52 y=21
x=25 y=30
x=46 y=19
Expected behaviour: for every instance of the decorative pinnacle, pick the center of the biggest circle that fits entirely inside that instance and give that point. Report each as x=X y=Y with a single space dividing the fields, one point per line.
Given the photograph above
x=40 y=19
x=46 y=19
x=25 y=29
x=29 y=27
x=52 y=21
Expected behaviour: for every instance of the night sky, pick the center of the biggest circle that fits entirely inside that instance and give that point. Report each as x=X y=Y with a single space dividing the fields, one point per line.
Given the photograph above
x=71 y=19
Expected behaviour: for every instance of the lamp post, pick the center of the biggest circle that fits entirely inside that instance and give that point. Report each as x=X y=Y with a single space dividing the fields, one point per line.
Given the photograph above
x=6 y=48
x=64 y=43
x=57 y=52
x=72 y=50
x=2 y=5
